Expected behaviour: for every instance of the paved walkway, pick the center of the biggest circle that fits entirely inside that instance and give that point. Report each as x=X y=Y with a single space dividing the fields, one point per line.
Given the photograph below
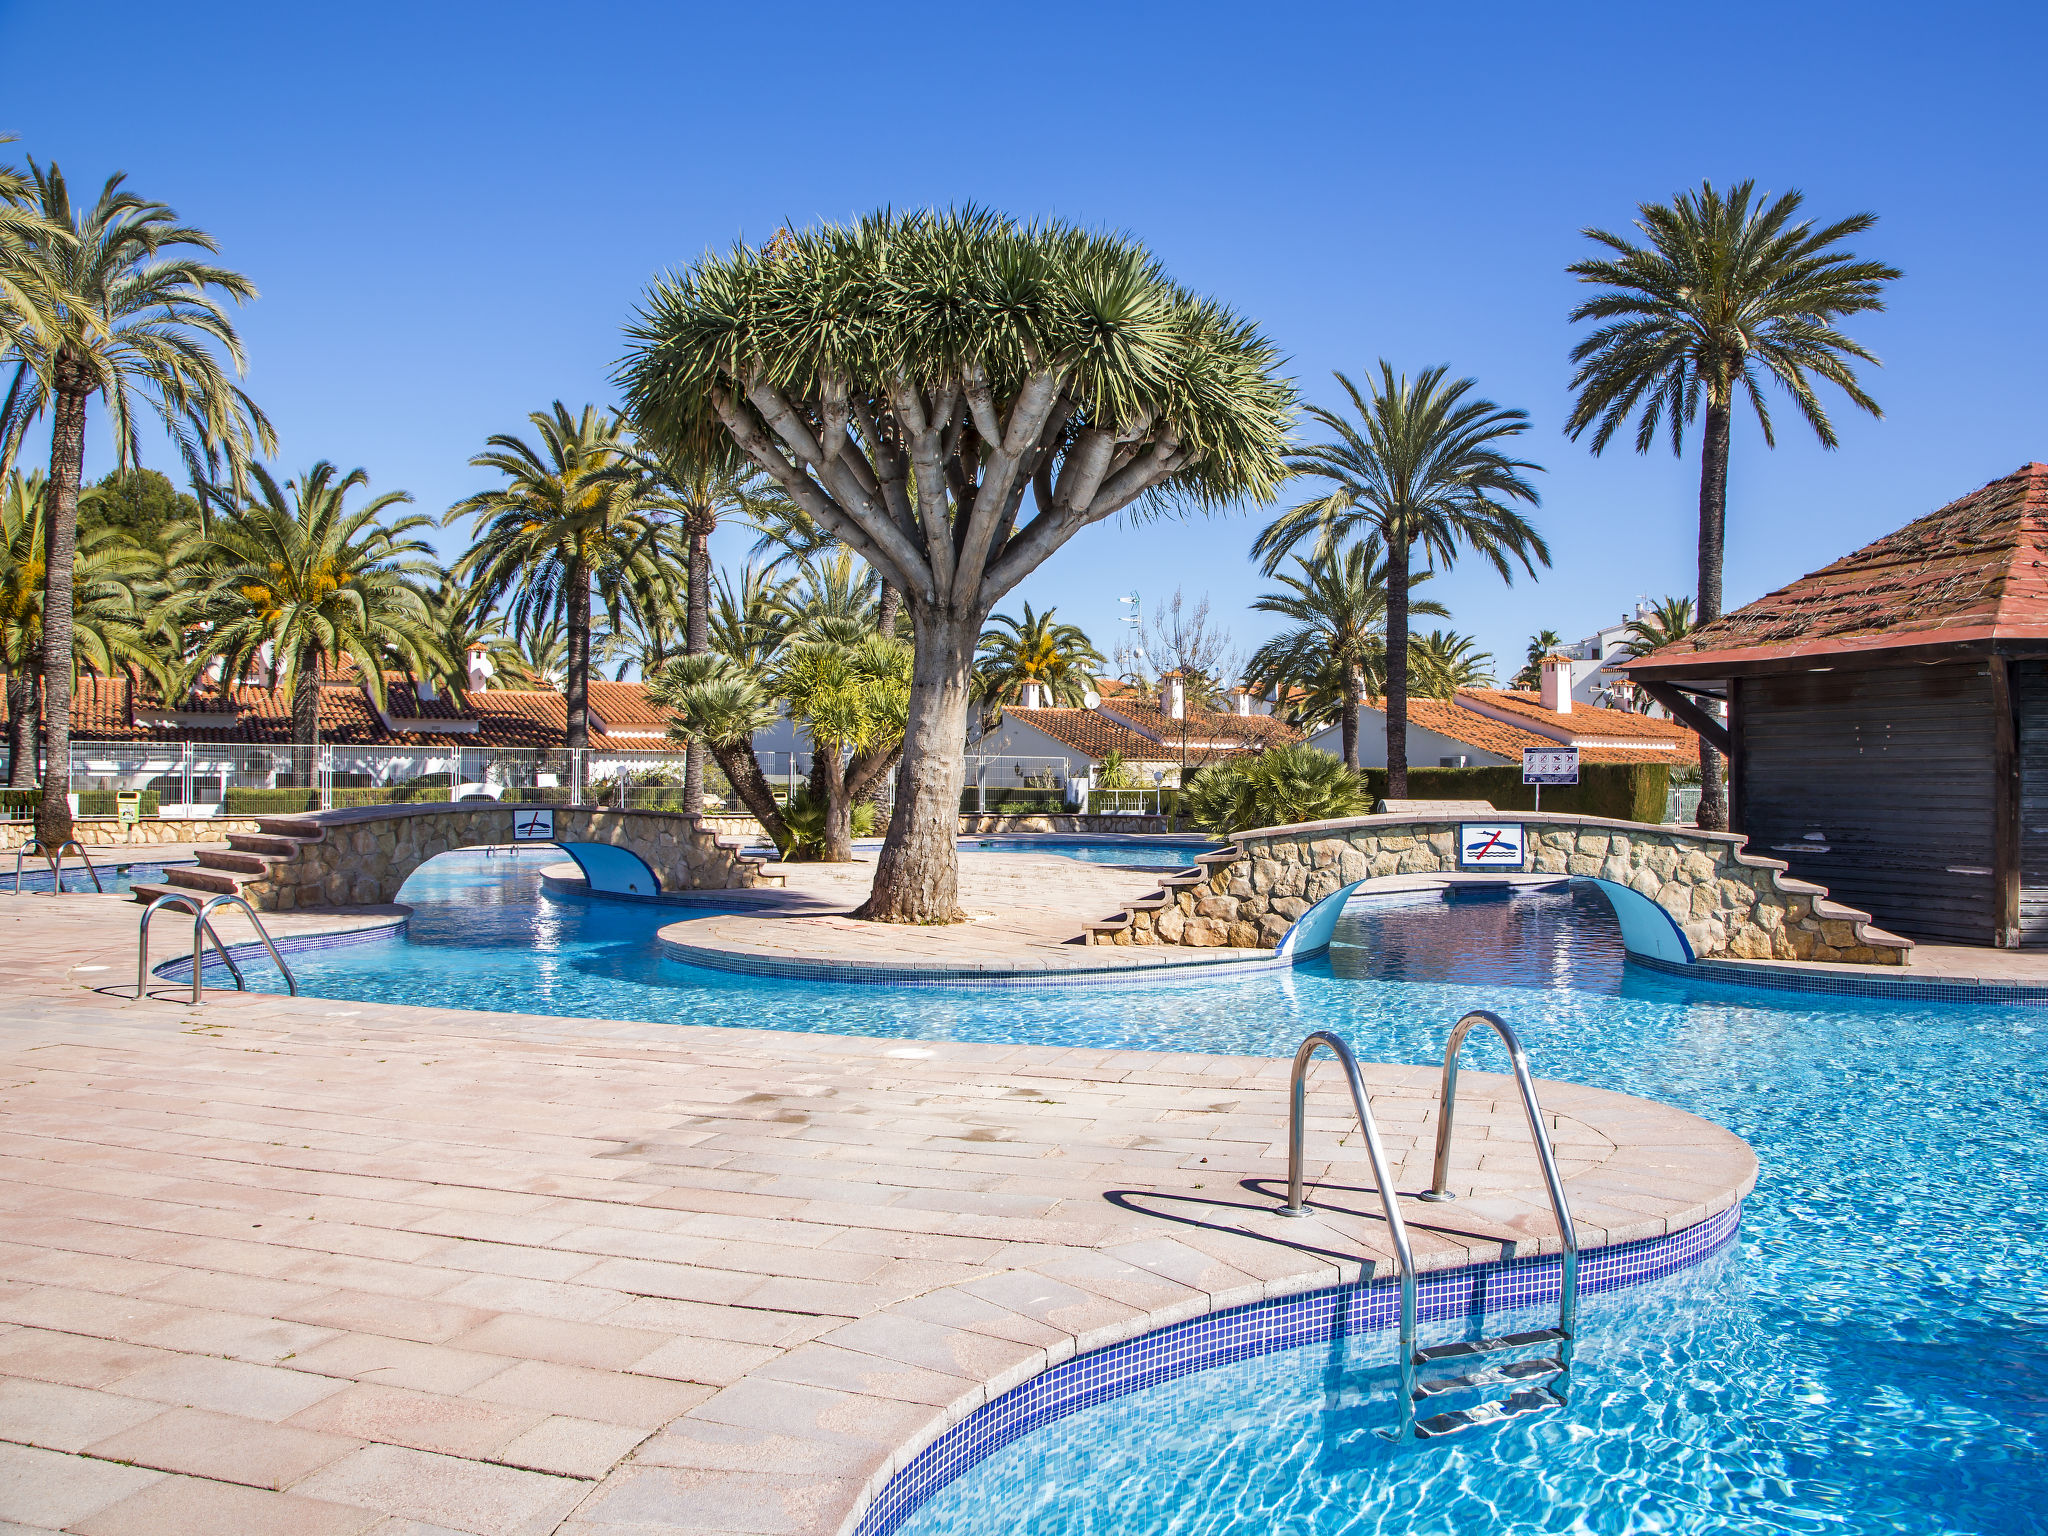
x=1024 y=912
x=298 y=1266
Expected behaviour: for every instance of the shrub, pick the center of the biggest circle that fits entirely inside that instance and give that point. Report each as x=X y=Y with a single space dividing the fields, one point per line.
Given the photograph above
x=1277 y=787
x=1617 y=791
x=1014 y=802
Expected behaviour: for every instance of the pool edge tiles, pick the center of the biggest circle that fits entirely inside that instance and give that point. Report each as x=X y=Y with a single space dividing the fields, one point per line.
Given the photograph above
x=179 y=967
x=1266 y=1327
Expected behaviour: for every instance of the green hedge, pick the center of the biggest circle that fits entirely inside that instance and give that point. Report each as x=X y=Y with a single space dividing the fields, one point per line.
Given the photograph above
x=1618 y=791
x=1015 y=802
x=283 y=802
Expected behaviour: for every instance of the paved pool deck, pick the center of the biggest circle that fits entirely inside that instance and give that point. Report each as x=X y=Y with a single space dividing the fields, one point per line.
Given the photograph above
x=278 y=1266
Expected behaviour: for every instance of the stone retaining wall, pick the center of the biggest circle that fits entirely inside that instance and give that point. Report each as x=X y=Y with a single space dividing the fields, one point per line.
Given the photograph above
x=1727 y=903
x=361 y=856
x=107 y=831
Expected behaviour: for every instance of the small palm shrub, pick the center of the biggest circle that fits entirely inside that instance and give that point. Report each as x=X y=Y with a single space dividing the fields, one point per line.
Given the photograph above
x=805 y=819
x=1277 y=787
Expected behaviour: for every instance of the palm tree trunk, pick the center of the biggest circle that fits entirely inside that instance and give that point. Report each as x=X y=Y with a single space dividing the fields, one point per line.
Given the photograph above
x=21 y=729
x=696 y=641
x=917 y=876
x=578 y=681
x=1348 y=716
x=1397 y=669
x=306 y=720
x=1713 y=811
x=60 y=545
x=828 y=783
x=886 y=609
x=743 y=769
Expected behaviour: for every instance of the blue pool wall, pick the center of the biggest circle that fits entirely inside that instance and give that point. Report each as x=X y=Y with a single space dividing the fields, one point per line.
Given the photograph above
x=1261 y=1328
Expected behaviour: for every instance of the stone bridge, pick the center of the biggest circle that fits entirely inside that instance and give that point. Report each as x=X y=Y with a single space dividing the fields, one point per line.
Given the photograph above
x=360 y=856
x=1681 y=894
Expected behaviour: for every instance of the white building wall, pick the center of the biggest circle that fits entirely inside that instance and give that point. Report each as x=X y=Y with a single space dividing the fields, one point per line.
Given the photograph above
x=1426 y=749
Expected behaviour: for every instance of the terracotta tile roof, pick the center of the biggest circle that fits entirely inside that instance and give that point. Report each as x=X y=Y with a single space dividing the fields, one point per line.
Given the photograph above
x=1204 y=727
x=1974 y=571
x=1086 y=730
x=1597 y=724
x=1502 y=739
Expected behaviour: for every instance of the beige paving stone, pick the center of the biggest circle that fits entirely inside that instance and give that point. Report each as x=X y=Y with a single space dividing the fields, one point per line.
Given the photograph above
x=71 y=1358
x=571 y=1447
x=49 y=1489
x=470 y=1496
x=185 y=1506
x=223 y=1447
x=228 y=1386
x=675 y=1499
x=60 y=1418
x=425 y=1421
x=402 y=1363
x=640 y=1400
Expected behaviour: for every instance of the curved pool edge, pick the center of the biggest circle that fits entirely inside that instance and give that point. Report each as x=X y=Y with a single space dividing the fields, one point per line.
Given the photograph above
x=1251 y=1329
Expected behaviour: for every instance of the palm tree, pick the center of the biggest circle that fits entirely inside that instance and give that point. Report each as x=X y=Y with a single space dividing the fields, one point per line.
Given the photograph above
x=700 y=492
x=540 y=653
x=1541 y=644
x=121 y=308
x=1444 y=661
x=571 y=515
x=716 y=700
x=459 y=628
x=1291 y=783
x=1669 y=619
x=110 y=628
x=298 y=582
x=1421 y=469
x=1727 y=293
x=1056 y=657
x=1335 y=655
x=750 y=622
x=849 y=688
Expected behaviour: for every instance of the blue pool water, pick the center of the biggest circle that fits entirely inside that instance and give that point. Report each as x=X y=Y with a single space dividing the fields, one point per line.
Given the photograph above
x=1871 y=1357
x=116 y=875
x=1144 y=855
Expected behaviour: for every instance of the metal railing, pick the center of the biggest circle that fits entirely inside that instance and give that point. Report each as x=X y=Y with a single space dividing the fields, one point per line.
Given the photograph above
x=56 y=861
x=1553 y=1183
x=202 y=930
x=1397 y=1228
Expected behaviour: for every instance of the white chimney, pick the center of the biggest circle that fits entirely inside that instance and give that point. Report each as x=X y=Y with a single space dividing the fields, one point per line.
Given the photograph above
x=1029 y=694
x=1176 y=696
x=1241 y=697
x=1557 y=683
x=424 y=687
x=480 y=669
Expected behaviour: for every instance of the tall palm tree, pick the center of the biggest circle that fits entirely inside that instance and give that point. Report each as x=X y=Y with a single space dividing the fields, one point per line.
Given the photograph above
x=298 y=582
x=700 y=491
x=123 y=308
x=1541 y=644
x=111 y=580
x=1422 y=468
x=540 y=653
x=1444 y=661
x=460 y=627
x=571 y=516
x=1334 y=656
x=750 y=622
x=1669 y=619
x=1726 y=293
x=718 y=701
x=835 y=586
x=1059 y=658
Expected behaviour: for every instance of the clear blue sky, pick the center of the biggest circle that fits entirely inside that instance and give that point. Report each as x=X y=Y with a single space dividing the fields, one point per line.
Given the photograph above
x=451 y=209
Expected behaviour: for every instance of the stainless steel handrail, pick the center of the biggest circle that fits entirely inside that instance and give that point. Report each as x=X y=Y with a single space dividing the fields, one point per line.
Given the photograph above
x=1439 y=1184
x=28 y=844
x=202 y=930
x=1397 y=1228
x=57 y=868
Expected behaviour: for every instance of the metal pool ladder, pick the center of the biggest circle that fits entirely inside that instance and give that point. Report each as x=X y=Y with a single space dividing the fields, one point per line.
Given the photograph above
x=34 y=845
x=1538 y=1383
x=202 y=931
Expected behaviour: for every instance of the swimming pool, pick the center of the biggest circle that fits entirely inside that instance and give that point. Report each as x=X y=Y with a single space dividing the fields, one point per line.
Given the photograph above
x=117 y=875
x=1146 y=855
x=1871 y=1356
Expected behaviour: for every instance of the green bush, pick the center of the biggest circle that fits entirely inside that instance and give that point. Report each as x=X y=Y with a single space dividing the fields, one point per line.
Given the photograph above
x=1617 y=791
x=1273 y=788
x=101 y=802
x=1015 y=802
x=268 y=802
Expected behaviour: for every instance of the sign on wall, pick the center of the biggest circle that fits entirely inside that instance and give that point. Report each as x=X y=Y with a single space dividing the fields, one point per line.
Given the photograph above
x=534 y=824
x=1491 y=845
x=1550 y=765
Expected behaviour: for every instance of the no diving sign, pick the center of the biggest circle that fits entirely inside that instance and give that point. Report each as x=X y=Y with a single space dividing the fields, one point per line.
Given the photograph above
x=533 y=825
x=1490 y=845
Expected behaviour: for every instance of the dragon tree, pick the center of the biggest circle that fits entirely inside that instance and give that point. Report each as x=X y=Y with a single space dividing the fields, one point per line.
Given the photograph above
x=954 y=396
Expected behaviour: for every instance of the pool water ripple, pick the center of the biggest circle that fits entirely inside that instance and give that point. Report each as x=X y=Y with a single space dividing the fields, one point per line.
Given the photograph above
x=1871 y=1357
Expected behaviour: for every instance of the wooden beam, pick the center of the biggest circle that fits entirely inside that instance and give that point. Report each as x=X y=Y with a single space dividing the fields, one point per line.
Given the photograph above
x=2005 y=810
x=1690 y=715
x=1737 y=762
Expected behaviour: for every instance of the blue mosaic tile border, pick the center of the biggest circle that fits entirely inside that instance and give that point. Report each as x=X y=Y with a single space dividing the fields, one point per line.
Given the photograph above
x=215 y=974
x=928 y=976
x=1262 y=1328
x=1906 y=988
